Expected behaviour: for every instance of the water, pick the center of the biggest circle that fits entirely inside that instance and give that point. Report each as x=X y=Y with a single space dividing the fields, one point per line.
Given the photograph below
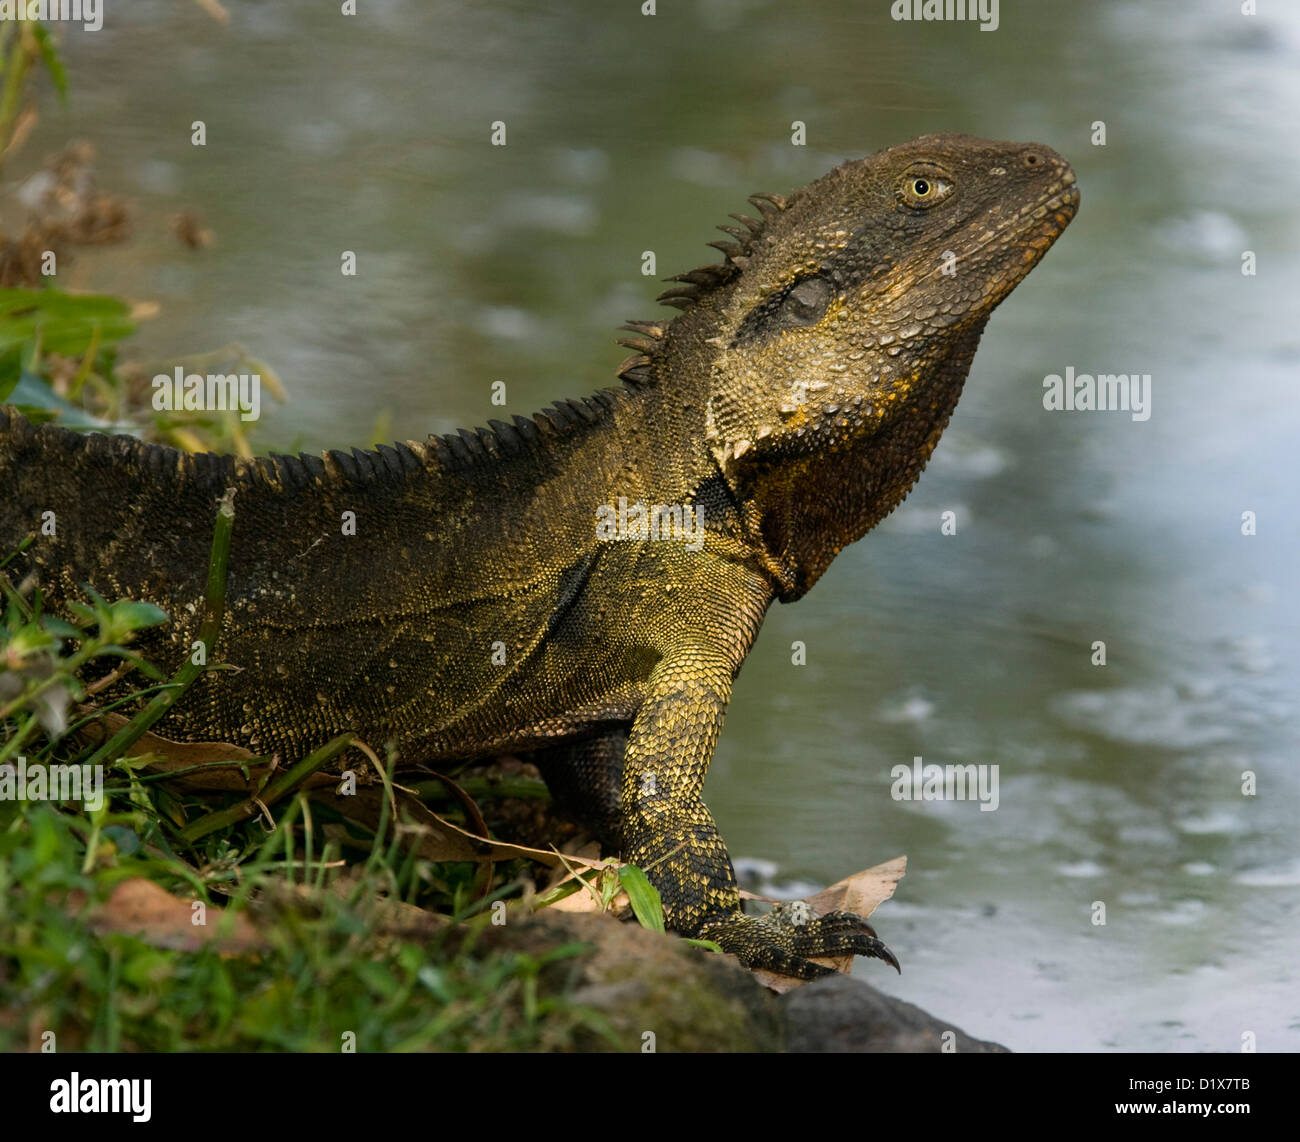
x=1119 y=784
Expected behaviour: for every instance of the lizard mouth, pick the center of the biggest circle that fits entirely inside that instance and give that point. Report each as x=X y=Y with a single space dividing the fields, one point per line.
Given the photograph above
x=1038 y=224
x=1057 y=210
x=1021 y=240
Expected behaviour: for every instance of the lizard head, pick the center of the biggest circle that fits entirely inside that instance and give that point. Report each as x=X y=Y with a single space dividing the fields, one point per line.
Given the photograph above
x=834 y=339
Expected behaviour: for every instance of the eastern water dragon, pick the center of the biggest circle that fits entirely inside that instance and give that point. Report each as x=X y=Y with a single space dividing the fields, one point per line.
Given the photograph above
x=514 y=589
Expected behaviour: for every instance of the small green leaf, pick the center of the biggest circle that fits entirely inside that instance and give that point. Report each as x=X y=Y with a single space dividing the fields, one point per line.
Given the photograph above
x=644 y=897
x=707 y=945
x=377 y=977
x=132 y=615
x=58 y=628
x=557 y=894
x=67 y=323
x=435 y=979
x=32 y=393
x=50 y=54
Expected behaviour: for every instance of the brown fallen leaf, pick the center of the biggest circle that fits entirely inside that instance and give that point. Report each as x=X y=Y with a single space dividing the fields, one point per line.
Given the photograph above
x=141 y=908
x=585 y=855
x=216 y=765
x=437 y=839
x=860 y=893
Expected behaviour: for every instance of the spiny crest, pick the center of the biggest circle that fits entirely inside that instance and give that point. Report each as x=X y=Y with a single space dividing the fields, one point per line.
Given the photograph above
x=638 y=368
x=356 y=467
x=467 y=447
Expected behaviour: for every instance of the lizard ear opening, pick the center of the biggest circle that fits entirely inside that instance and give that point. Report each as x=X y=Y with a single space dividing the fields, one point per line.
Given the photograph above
x=800 y=304
x=805 y=302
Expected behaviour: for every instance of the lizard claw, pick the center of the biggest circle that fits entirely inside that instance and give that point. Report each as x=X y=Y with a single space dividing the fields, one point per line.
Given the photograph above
x=789 y=938
x=841 y=933
x=881 y=951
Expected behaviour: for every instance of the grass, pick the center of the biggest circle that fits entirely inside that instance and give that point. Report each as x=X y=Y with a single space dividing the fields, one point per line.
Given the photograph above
x=326 y=969
x=326 y=976
x=326 y=966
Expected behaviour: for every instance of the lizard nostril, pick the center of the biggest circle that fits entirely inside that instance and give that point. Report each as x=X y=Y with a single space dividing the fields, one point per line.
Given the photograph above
x=1032 y=159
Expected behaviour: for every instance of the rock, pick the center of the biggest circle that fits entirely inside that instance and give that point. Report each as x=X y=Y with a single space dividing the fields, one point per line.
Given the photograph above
x=658 y=993
x=655 y=992
x=845 y=1014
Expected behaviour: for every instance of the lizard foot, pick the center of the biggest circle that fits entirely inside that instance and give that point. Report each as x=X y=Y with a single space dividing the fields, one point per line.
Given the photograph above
x=784 y=940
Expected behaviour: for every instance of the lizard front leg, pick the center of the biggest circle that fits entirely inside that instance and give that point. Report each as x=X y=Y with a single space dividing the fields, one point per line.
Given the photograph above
x=669 y=832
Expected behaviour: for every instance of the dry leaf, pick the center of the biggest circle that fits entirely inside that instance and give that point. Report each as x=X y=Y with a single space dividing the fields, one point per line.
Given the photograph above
x=587 y=855
x=221 y=762
x=139 y=907
x=860 y=893
x=863 y=891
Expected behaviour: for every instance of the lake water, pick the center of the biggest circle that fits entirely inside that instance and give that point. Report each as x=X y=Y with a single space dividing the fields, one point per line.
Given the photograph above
x=1120 y=784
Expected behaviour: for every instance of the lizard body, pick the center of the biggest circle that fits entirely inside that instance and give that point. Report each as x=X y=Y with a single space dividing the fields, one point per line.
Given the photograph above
x=478 y=607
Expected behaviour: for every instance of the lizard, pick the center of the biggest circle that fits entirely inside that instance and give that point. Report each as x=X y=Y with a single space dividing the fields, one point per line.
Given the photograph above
x=534 y=587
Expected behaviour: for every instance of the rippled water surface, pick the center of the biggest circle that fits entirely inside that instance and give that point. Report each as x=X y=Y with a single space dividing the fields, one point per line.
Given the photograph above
x=1119 y=784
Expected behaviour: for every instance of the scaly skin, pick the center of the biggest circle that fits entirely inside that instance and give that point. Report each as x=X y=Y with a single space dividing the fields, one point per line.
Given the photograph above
x=475 y=610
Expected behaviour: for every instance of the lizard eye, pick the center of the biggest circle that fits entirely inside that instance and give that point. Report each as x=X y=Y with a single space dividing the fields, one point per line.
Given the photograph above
x=924 y=188
x=806 y=302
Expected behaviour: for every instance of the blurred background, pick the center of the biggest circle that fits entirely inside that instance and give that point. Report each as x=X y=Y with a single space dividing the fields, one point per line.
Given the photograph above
x=1119 y=783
